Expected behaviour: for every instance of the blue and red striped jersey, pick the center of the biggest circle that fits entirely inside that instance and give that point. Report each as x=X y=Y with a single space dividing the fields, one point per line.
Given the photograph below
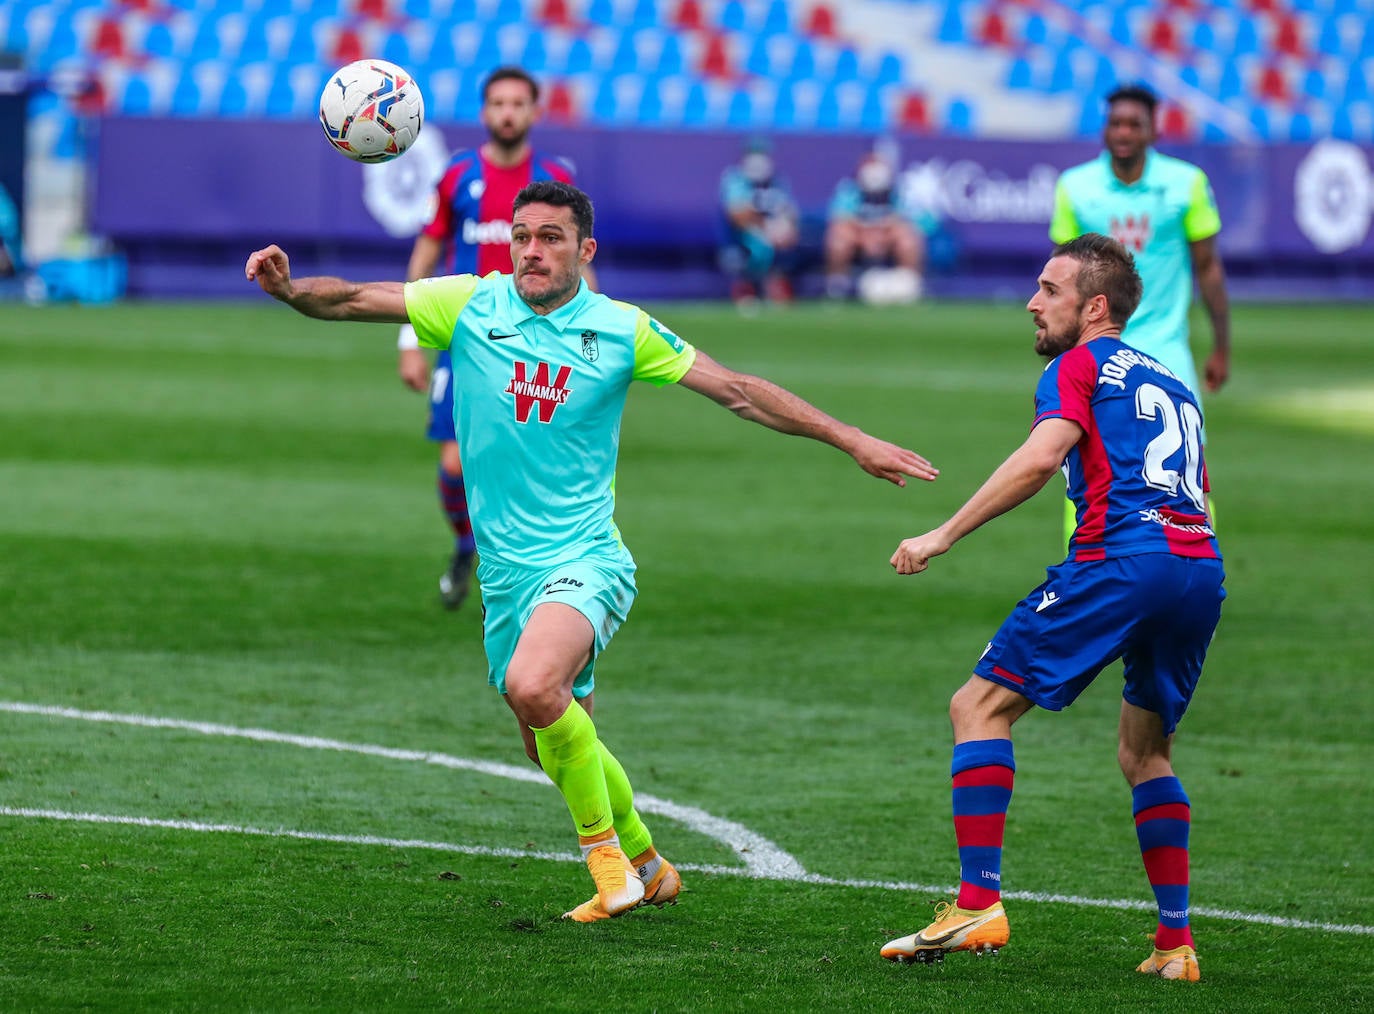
x=473 y=213
x=1137 y=476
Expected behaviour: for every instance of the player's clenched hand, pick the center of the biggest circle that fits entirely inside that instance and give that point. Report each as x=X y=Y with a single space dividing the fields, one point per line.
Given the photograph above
x=271 y=269
x=890 y=462
x=913 y=555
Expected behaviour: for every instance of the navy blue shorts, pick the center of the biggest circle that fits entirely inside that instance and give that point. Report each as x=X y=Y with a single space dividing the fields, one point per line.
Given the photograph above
x=441 y=427
x=1155 y=611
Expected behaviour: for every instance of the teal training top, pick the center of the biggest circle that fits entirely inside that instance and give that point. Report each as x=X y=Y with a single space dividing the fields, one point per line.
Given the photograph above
x=537 y=402
x=1156 y=218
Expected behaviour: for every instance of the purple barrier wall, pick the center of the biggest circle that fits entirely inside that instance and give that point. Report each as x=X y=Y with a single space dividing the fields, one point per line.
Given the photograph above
x=187 y=199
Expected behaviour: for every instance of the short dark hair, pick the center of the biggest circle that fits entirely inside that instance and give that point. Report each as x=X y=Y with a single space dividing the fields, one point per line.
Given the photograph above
x=560 y=195
x=510 y=73
x=1135 y=93
x=1105 y=268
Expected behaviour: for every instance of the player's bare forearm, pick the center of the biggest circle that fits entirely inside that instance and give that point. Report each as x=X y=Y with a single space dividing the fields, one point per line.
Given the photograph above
x=767 y=404
x=323 y=297
x=1015 y=481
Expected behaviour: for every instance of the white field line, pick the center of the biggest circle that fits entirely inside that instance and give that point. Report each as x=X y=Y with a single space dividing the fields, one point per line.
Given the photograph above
x=777 y=864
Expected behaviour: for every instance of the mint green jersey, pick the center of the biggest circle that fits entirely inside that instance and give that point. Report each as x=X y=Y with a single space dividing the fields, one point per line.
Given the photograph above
x=1156 y=218
x=537 y=402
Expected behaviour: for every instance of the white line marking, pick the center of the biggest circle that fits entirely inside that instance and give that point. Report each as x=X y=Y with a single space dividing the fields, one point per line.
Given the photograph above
x=760 y=856
x=777 y=864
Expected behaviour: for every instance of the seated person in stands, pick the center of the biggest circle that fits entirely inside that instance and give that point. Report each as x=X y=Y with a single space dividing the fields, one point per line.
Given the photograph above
x=871 y=232
x=762 y=226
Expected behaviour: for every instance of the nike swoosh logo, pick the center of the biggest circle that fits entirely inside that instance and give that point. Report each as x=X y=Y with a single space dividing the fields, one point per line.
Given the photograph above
x=501 y=337
x=592 y=824
x=555 y=591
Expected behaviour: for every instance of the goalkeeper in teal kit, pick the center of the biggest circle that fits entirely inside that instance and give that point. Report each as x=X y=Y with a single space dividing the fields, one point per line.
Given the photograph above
x=541 y=368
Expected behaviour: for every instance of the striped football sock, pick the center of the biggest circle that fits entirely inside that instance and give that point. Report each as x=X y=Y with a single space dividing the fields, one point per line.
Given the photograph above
x=453 y=499
x=1162 y=819
x=982 y=770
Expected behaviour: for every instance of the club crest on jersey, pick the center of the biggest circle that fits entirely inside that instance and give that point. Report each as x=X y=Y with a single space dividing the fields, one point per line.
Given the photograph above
x=541 y=390
x=591 y=350
x=1131 y=232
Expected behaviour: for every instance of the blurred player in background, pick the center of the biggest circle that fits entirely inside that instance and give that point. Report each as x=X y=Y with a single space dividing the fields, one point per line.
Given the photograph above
x=1162 y=210
x=762 y=226
x=470 y=233
x=543 y=369
x=868 y=227
x=1142 y=582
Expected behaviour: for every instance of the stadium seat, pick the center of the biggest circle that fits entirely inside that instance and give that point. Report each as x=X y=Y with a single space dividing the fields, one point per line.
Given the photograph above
x=1288 y=37
x=873 y=116
x=951 y=28
x=715 y=59
x=137 y=99
x=740 y=114
x=555 y=12
x=108 y=39
x=558 y=103
x=846 y=65
x=1163 y=36
x=733 y=17
x=1356 y=85
x=777 y=19
x=1300 y=128
x=159 y=41
x=645 y=15
x=820 y=23
x=304 y=46
x=670 y=57
x=959 y=118
x=889 y=70
x=992 y=31
x=914 y=113
x=347 y=47
x=1246 y=40
x=579 y=59
x=1020 y=75
x=396 y=48
x=803 y=61
x=1273 y=84
x=689 y=16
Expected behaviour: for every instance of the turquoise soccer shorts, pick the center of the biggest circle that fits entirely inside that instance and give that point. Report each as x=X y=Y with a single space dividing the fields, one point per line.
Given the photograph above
x=602 y=590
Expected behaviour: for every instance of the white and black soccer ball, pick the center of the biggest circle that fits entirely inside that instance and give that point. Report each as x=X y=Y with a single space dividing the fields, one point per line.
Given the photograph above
x=371 y=110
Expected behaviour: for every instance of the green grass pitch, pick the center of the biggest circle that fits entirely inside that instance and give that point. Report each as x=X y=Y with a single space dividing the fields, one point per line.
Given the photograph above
x=247 y=762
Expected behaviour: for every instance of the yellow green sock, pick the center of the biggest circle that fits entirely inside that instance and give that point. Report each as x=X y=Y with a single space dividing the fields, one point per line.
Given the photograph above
x=569 y=756
x=634 y=836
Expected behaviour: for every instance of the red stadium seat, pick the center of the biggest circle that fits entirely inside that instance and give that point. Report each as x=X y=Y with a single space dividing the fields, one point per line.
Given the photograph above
x=715 y=58
x=1163 y=37
x=915 y=113
x=1273 y=84
x=820 y=23
x=108 y=39
x=993 y=30
x=1174 y=124
x=378 y=10
x=689 y=16
x=558 y=104
x=348 y=46
x=555 y=12
x=1288 y=38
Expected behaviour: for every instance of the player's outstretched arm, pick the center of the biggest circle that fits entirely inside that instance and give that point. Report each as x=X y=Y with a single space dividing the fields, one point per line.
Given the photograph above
x=322 y=297
x=1015 y=481
x=1211 y=282
x=766 y=403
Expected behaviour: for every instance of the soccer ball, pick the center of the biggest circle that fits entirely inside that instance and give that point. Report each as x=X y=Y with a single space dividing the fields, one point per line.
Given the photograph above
x=371 y=110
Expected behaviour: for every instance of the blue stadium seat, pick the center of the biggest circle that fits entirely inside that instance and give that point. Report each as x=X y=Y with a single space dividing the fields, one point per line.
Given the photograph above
x=600 y=12
x=697 y=106
x=604 y=102
x=158 y=40
x=1020 y=74
x=1300 y=127
x=625 y=59
x=233 y=101
x=1259 y=119
x=759 y=59
x=1204 y=36
x=1356 y=85
x=1063 y=74
x=303 y=47
x=803 y=62
x=396 y=49
x=62 y=43
x=670 y=59
x=785 y=108
x=1093 y=117
x=740 y=114
x=579 y=56
x=733 y=17
x=1230 y=85
x=206 y=43
x=1035 y=31
x=846 y=65
x=442 y=55
x=535 y=58
x=137 y=99
x=951 y=28
x=959 y=118
x=1343 y=124
x=778 y=18
x=650 y=111
x=645 y=15
x=1246 y=40
x=256 y=46
x=873 y=118
x=186 y=95
x=889 y=69
x=1314 y=83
